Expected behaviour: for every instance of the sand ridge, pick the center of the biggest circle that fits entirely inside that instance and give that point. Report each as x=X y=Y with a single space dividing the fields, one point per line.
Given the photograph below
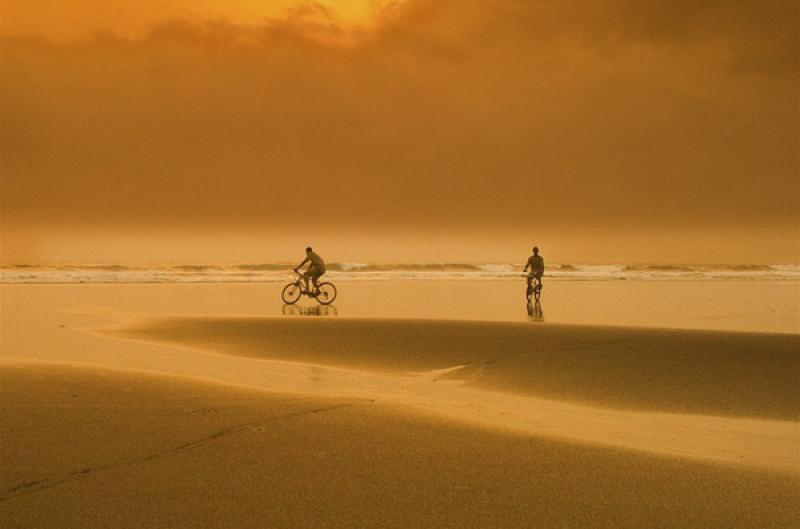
x=761 y=442
x=706 y=372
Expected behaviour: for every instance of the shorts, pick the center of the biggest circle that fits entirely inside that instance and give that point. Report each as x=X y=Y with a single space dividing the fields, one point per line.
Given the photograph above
x=313 y=273
x=537 y=275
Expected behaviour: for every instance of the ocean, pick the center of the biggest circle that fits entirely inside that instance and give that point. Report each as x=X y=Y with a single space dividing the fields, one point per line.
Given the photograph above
x=278 y=272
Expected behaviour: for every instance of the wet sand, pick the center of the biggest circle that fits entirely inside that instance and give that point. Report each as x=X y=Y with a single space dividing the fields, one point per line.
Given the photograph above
x=117 y=416
x=717 y=373
x=750 y=306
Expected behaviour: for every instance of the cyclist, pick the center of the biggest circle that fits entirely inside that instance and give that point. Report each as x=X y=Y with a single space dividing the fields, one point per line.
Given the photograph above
x=315 y=269
x=536 y=264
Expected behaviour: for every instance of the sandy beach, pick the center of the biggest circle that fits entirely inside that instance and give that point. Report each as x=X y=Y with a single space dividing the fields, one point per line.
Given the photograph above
x=116 y=415
x=104 y=448
x=399 y=264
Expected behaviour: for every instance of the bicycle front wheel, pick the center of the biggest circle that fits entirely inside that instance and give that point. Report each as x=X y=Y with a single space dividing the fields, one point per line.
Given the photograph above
x=291 y=293
x=327 y=293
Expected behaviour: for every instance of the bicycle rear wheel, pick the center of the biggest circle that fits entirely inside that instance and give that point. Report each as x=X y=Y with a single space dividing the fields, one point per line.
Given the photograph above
x=291 y=293
x=327 y=293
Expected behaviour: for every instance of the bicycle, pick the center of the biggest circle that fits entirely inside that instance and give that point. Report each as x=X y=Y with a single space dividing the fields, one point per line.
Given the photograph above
x=325 y=293
x=534 y=292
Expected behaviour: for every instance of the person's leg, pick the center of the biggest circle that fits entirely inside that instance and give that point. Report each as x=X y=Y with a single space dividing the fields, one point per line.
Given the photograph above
x=306 y=276
x=315 y=279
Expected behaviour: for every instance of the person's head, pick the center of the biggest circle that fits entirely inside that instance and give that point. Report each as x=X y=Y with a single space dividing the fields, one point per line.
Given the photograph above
x=535 y=250
x=308 y=249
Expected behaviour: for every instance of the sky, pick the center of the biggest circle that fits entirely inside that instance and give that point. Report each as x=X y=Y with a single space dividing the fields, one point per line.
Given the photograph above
x=400 y=131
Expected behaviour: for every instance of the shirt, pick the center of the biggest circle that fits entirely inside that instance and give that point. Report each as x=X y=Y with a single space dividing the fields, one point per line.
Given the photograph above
x=316 y=261
x=536 y=263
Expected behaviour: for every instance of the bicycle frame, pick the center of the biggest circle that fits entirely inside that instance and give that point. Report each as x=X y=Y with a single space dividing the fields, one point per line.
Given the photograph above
x=534 y=288
x=301 y=283
x=301 y=280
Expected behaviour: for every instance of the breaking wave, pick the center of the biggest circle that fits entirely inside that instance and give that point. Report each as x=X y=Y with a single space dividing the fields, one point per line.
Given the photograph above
x=279 y=272
x=266 y=267
x=659 y=268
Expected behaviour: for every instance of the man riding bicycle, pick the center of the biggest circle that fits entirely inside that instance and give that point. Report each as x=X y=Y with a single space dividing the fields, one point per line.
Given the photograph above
x=315 y=269
x=536 y=264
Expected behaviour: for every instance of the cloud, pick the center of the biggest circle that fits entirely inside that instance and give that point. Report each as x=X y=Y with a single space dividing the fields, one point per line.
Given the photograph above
x=449 y=113
x=756 y=36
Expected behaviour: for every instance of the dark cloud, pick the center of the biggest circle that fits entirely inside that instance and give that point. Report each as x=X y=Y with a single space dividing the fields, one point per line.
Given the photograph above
x=756 y=36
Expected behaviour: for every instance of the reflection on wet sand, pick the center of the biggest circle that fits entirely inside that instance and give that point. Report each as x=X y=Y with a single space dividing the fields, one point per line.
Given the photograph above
x=535 y=311
x=317 y=310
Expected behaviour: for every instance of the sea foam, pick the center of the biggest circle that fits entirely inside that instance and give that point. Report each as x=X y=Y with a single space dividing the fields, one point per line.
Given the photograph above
x=279 y=272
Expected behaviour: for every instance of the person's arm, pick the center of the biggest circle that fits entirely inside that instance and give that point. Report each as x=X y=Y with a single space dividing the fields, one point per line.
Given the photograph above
x=527 y=265
x=296 y=268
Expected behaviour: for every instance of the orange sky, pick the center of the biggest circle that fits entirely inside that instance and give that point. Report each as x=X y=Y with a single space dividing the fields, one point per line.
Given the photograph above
x=423 y=129
x=67 y=21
